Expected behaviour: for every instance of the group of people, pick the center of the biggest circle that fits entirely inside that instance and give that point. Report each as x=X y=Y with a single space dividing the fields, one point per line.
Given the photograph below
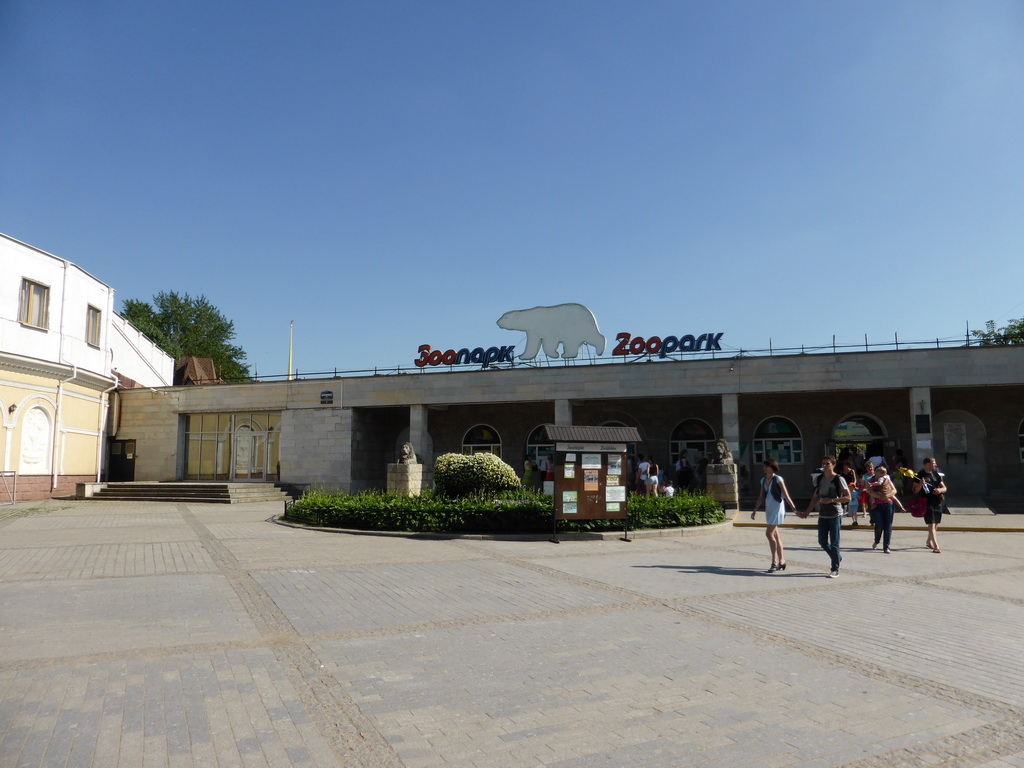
x=836 y=493
x=652 y=480
x=649 y=479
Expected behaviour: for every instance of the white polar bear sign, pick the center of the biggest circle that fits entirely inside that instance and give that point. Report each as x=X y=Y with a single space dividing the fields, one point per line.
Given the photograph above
x=571 y=325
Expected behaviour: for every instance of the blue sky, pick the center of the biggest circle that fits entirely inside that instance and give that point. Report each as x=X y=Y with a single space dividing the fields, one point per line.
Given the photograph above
x=391 y=174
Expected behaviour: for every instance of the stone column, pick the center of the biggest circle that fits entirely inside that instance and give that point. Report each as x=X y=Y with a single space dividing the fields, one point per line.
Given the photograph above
x=731 y=422
x=418 y=431
x=924 y=445
x=563 y=412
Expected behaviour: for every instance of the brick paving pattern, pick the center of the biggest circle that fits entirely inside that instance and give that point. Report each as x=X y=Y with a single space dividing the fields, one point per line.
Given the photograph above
x=206 y=635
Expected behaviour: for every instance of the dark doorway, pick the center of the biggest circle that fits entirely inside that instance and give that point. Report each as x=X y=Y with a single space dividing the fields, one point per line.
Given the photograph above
x=121 y=463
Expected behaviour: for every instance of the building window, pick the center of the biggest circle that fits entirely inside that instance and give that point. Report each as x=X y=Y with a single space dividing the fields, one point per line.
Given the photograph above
x=35 y=304
x=694 y=436
x=232 y=446
x=538 y=445
x=482 y=439
x=92 y=326
x=778 y=438
x=1020 y=440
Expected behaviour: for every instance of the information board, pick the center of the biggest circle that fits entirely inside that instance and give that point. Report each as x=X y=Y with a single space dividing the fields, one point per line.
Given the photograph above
x=590 y=481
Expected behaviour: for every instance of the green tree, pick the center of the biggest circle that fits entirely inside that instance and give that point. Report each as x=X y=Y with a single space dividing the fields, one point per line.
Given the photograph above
x=1012 y=333
x=183 y=326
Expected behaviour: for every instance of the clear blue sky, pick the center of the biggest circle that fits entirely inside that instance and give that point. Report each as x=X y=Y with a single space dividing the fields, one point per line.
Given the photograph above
x=390 y=174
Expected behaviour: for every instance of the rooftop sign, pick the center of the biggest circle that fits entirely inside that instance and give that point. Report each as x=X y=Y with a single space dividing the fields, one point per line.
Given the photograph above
x=569 y=326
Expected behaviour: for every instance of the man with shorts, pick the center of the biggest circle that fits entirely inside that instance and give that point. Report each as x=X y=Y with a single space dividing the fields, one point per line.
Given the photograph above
x=931 y=485
x=833 y=492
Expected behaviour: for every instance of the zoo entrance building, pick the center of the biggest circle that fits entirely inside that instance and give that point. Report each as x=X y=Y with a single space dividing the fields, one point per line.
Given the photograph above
x=963 y=404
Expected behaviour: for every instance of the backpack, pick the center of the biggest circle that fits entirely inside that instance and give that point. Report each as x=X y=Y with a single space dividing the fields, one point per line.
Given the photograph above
x=835 y=482
x=774 y=489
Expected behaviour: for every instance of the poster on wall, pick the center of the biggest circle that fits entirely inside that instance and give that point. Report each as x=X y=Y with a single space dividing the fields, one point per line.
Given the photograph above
x=591 y=480
x=615 y=493
x=570 y=471
x=614 y=464
x=955 y=435
x=591 y=460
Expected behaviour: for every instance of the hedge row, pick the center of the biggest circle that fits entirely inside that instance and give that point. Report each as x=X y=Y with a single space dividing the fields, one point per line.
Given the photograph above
x=521 y=512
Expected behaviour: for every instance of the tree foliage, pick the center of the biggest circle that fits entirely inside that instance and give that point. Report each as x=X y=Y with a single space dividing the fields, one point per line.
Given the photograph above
x=1012 y=333
x=186 y=326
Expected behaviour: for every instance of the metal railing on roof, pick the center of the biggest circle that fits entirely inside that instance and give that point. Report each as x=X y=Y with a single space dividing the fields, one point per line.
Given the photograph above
x=771 y=350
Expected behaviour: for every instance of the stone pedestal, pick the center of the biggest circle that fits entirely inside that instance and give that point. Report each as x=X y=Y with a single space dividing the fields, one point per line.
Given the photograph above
x=406 y=479
x=723 y=485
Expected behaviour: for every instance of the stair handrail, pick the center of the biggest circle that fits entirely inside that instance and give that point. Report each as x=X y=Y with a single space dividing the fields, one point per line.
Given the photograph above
x=10 y=492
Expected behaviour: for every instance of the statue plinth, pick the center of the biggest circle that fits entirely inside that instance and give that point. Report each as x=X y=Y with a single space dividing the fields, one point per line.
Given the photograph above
x=406 y=479
x=722 y=485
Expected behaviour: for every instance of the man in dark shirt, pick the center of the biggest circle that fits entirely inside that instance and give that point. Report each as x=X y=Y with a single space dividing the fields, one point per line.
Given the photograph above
x=833 y=492
x=930 y=484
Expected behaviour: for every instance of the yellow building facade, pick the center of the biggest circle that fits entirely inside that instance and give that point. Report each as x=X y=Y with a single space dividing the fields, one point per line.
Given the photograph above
x=63 y=351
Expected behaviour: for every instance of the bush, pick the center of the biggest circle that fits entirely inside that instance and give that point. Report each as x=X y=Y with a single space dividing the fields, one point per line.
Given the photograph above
x=484 y=474
x=521 y=511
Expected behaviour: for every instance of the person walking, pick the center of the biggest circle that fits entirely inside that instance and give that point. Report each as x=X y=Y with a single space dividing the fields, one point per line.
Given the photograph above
x=850 y=476
x=863 y=500
x=931 y=484
x=776 y=498
x=653 y=476
x=528 y=473
x=643 y=474
x=882 y=492
x=832 y=492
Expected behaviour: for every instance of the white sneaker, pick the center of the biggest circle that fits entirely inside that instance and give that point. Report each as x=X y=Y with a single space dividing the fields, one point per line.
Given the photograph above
x=834 y=575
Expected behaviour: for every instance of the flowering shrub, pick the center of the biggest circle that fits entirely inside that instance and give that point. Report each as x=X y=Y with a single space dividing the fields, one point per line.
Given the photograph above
x=457 y=475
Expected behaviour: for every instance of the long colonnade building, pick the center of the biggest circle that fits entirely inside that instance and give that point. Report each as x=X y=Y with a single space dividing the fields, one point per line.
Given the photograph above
x=964 y=405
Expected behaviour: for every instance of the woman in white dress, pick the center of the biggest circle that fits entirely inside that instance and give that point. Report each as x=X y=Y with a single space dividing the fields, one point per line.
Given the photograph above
x=775 y=497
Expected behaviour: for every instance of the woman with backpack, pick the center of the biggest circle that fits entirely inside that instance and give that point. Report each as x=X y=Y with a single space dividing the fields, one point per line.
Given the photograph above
x=776 y=499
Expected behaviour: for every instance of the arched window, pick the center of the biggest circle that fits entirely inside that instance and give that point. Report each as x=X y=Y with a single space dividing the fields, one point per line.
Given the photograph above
x=36 y=442
x=482 y=439
x=858 y=428
x=694 y=436
x=537 y=445
x=778 y=438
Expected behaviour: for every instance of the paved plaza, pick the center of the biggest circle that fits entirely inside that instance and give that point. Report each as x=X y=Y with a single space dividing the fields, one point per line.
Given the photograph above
x=145 y=635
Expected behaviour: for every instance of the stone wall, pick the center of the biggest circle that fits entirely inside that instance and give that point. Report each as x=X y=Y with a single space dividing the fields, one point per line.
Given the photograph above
x=37 y=487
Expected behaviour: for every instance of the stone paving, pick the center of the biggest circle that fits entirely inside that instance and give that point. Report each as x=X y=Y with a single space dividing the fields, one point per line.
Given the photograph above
x=143 y=634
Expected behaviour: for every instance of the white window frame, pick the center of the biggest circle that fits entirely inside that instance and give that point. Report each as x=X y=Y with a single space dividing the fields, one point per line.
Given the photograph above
x=772 y=448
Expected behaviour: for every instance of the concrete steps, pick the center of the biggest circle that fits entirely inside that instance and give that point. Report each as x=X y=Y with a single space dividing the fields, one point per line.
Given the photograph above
x=193 y=493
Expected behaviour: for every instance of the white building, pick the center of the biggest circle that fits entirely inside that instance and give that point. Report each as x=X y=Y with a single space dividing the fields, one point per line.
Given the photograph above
x=63 y=350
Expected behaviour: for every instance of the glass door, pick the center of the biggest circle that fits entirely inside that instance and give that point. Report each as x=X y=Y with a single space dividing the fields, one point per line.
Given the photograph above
x=250 y=454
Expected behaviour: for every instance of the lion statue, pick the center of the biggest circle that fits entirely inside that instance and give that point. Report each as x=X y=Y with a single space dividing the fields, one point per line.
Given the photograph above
x=406 y=455
x=721 y=454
